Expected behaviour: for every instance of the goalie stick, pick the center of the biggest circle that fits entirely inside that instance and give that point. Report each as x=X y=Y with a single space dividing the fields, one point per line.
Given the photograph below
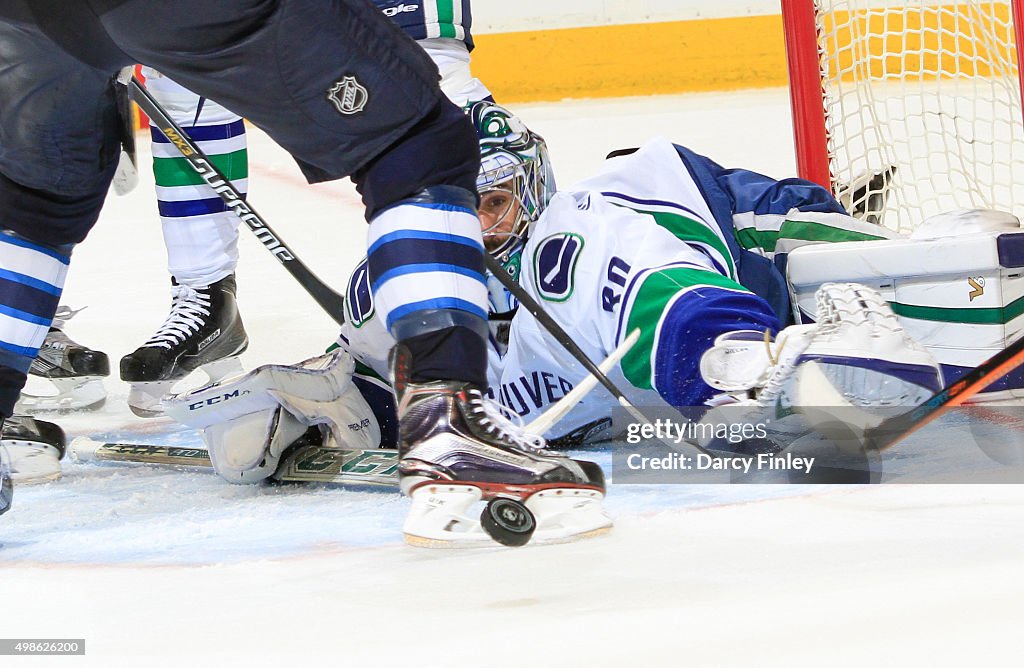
x=896 y=429
x=307 y=463
x=315 y=463
x=329 y=300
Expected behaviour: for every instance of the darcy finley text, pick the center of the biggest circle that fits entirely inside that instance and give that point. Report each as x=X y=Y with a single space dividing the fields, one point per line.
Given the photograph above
x=703 y=462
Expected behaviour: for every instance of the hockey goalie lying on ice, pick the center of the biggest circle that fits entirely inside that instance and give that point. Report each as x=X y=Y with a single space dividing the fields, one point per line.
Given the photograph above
x=663 y=241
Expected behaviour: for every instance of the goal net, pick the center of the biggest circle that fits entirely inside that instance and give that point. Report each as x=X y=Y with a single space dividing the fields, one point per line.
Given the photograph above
x=908 y=109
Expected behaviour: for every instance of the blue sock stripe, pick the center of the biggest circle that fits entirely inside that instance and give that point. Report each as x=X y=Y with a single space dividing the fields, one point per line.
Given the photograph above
x=420 y=235
x=427 y=267
x=191 y=207
x=25 y=243
x=15 y=357
x=442 y=206
x=29 y=281
x=200 y=133
x=430 y=304
x=25 y=316
x=29 y=300
x=415 y=251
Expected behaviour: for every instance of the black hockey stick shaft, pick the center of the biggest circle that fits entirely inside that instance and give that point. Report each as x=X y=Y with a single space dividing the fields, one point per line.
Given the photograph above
x=329 y=300
x=896 y=429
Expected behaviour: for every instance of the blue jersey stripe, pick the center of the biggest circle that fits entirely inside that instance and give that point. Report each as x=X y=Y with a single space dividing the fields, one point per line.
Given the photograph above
x=656 y=202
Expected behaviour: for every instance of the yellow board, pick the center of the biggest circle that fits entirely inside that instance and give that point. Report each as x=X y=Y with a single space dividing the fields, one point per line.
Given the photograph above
x=635 y=59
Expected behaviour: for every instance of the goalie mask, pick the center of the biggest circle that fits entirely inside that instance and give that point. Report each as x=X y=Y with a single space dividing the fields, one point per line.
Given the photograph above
x=515 y=181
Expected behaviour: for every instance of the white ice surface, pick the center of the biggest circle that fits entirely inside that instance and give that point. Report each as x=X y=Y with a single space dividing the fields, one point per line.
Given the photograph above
x=161 y=567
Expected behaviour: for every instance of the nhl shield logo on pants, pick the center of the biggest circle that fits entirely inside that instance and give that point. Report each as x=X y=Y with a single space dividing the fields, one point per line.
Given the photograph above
x=348 y=95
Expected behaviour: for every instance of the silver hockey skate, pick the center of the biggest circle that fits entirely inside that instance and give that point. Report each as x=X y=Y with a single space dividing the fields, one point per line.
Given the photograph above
x=34 y=449
x=459 y=449
x=65 y=375
x=6 y=486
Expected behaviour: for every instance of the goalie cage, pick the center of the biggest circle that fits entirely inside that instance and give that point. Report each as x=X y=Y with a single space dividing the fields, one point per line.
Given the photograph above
x=928 y=93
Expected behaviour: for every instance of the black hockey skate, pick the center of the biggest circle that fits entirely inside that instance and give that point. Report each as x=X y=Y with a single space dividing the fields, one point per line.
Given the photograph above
x=458 y=448
x=75 y=371
x=203 y=331
x=34 y=449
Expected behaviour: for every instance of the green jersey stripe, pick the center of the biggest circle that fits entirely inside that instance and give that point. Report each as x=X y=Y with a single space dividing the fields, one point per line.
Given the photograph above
x=659 y=290
x=445 y=11
x=690 y=230
x=801 y=230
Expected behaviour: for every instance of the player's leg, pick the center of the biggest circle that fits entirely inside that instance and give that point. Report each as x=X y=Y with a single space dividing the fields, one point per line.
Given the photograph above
x=74 y=372
x=203 y=329
x=59 y=144
x=373 y=109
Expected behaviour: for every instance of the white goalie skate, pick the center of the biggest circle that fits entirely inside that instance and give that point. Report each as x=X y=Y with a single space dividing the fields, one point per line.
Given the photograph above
x=459 y=450
x=65 y=375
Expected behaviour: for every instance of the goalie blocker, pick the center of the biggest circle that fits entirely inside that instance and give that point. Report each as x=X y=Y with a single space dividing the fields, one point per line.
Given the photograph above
x=956 y=284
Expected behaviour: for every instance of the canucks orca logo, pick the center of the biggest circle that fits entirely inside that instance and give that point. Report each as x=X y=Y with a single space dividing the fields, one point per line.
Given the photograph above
x=358 y=297
x=554 y=265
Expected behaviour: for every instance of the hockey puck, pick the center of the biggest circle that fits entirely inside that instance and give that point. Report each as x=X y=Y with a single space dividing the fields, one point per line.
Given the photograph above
x=508 y=522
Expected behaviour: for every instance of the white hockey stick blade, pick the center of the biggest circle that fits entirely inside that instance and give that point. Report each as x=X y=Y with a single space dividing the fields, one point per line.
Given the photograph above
x=548 y=418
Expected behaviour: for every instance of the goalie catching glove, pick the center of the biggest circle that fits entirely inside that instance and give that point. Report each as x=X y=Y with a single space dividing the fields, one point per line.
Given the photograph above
x=248 y=422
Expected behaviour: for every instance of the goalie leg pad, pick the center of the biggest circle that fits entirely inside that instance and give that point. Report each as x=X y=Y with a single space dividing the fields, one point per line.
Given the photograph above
x=248 y=448
x=248 y=421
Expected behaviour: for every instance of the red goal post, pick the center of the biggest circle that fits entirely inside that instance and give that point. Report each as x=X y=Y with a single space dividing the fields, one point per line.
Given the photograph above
x=919 y=87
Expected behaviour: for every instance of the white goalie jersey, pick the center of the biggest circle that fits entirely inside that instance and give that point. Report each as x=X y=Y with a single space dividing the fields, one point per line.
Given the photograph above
x=641 y=245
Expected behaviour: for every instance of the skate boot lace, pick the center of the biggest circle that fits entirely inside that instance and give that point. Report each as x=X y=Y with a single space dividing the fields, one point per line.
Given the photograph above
x=499 y=421
x=189 y=310
x=63 y=314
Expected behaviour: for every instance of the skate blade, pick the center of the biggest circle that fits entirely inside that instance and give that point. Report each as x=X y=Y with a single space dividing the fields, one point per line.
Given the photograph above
x=27 y=479
x=144 y=398
x=73 y=394
x=485 y=541
x=441 y=517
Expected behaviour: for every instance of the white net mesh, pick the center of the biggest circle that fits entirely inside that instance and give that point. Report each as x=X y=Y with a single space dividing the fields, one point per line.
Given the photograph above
x=928 y=93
